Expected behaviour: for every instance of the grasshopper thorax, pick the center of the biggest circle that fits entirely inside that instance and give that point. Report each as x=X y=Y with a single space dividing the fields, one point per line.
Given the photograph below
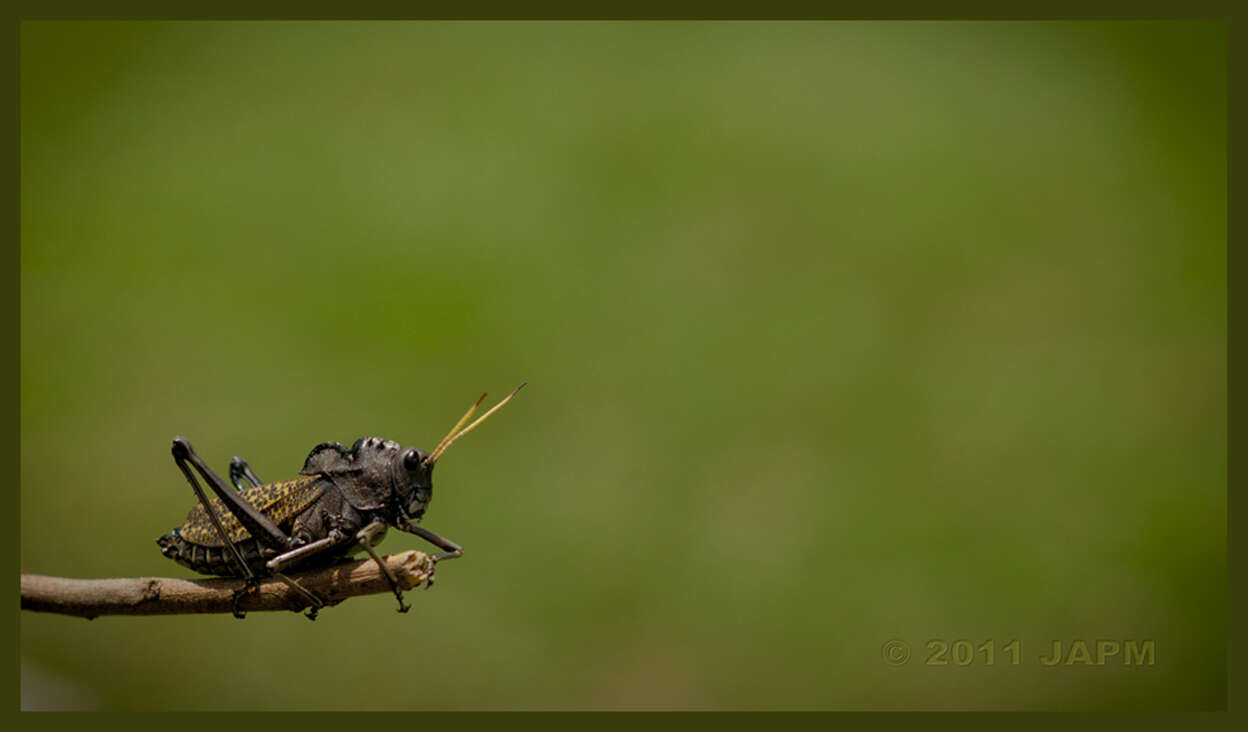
x=376 y=475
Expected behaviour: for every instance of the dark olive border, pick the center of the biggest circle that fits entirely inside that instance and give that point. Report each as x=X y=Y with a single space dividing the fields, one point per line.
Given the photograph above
x=235 y=9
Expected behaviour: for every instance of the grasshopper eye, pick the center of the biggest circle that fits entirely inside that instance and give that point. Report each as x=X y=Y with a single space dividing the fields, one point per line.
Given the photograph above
x=412 y=459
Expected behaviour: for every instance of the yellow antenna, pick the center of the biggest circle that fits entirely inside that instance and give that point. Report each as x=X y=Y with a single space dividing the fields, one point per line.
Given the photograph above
x=455 y=435
x=462 y=421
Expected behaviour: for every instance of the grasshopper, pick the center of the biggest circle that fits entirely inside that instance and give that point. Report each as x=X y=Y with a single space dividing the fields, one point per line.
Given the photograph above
x=342 y=501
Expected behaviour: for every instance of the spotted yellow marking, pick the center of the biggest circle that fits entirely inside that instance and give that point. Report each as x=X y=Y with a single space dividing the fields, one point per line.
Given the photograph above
x=280 y=501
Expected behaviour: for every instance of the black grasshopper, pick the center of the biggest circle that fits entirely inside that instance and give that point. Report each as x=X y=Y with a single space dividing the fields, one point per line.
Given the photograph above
x=343 y=501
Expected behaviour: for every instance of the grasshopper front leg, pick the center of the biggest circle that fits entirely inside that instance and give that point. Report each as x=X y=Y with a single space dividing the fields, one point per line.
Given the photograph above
x=453 y=550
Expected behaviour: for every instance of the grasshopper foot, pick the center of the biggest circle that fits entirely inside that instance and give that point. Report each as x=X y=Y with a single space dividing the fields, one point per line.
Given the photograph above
x=398 y=594
x=433 y=564
x=394 y=587
x=251 y=586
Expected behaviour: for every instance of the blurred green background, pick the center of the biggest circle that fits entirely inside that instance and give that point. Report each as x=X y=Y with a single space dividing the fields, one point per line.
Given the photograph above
x=835 y=333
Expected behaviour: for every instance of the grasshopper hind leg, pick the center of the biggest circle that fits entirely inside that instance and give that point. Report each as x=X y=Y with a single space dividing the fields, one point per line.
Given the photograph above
x=269 y=536
x=185 y=457
x=243 y=477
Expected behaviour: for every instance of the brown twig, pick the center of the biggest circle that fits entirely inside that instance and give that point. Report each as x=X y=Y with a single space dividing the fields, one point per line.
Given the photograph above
x=168 y=596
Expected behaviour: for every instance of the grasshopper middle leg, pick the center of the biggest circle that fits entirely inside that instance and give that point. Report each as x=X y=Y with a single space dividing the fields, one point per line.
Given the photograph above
x=366 y=537
x=281 y=561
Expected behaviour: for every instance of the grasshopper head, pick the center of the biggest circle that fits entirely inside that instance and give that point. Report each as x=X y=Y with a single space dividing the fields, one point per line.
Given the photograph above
x=416 y=492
